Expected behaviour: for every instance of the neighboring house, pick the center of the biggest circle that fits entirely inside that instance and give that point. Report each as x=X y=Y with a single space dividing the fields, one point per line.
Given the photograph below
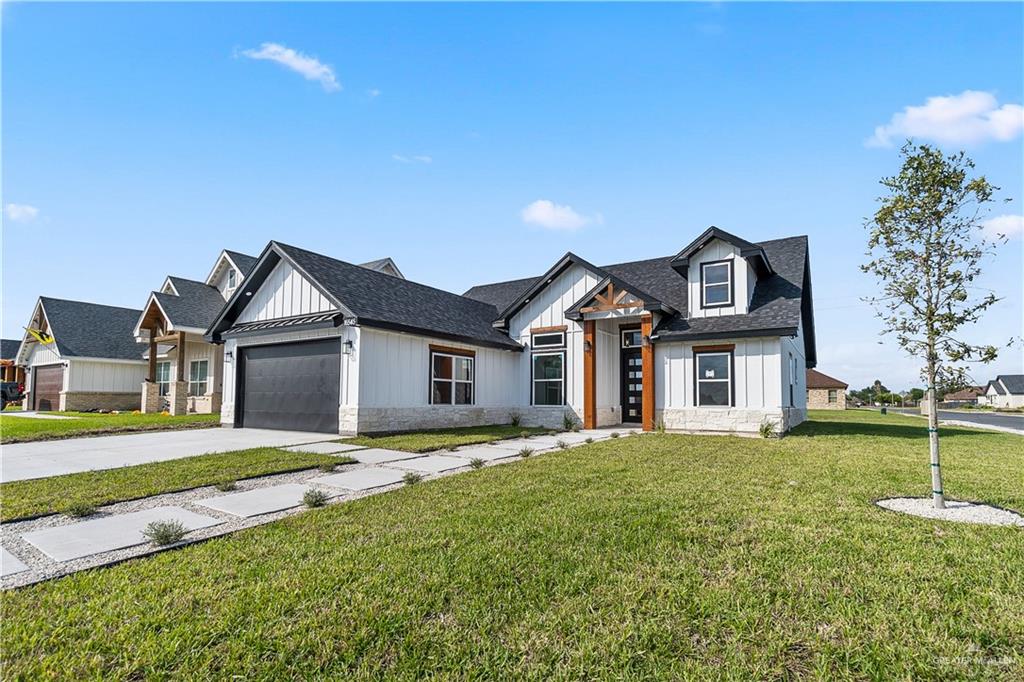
x=825 y=392
x=966 y=396
x=9 y=370
x=175 y=318
x=714 y=338
x=89 y=361
x=1006 y=390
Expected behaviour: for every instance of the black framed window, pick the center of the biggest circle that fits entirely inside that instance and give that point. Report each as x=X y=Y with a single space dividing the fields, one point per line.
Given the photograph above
x=163 y=378
x=548 y=378
x=198 y=374
x=548 y=340
x=631 y=338
x=451 y=379
x=714 y=379
x=716 y=284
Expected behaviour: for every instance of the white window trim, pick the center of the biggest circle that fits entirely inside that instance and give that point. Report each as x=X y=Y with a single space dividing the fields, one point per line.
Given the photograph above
x=453 y=381
x=728 y=265
x=728 y=380
x=206 y=381
x=560 y=344
x=534 y=380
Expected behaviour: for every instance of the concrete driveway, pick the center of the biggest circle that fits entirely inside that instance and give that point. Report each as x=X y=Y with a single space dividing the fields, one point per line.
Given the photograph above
x=42 y=459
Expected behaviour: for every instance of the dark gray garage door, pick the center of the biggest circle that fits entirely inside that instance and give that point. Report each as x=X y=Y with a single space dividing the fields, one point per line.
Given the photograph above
x=291 y=386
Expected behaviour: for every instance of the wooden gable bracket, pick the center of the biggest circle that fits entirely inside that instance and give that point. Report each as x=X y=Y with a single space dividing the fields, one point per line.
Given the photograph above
x=611 y=300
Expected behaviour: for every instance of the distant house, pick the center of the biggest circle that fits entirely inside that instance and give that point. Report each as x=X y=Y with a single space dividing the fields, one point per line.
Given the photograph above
x=965 y=396
x=825 y=392
x=84 y=357
x=1006 y=390
x=9 y=371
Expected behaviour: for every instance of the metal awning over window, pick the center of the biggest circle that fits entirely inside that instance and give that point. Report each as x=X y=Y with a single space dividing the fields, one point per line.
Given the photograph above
x=318 y=321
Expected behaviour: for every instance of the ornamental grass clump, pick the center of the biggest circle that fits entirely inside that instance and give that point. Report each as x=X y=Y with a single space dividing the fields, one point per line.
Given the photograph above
x=525 y=452
x=227 y=486
x=78 y=509
x=328 y=467
x=314 y=497
x=412 y=478
x=476 y=463
x=163 y=533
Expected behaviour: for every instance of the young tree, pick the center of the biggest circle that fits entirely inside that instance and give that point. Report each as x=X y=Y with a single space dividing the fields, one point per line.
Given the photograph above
x=926 y=248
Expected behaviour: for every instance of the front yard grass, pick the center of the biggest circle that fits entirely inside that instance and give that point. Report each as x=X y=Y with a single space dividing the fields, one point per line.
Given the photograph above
x=440 y=439
x=21 y=499
x=22 y=429
x=651 y=557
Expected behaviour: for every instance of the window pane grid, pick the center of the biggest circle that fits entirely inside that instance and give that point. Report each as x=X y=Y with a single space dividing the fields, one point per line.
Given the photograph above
x=451 y=379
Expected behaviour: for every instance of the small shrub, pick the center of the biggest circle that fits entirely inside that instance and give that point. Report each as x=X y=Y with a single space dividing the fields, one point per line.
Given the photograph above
x=660 y=426
x=524 y=434
x=562 y=445
x=577 y=427
x=767 y=429
x=515 y=419
x=314 y=497
x=412 y=478
x=525 y=452
x=328 y=467
x=77 y=510
x=588 y=440
x=163 y=533
x=614 y=434
x=568 y=422
x=227 y=486
x=476 y=463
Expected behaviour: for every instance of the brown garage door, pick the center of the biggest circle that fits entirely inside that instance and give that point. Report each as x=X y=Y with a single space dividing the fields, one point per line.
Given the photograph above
x=47 y=383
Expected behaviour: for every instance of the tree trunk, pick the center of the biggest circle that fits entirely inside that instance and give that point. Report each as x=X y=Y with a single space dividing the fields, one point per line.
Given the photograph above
x=938 y=498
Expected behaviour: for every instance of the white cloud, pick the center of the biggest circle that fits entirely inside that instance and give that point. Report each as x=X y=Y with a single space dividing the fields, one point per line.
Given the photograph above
x=552 y=216
x=418 y=158
x=1009 y=225
x=21 y=213
x=971 y=117
x=308 y=67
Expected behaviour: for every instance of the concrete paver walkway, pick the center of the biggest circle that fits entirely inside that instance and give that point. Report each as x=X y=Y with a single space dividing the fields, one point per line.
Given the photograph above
x=73 y=541
x=67 y=546
x=43 y=459
x=325 y=448
x=380 y=456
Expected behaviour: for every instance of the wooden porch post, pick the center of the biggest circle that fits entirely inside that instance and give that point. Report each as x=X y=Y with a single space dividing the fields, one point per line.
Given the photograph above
x=647 y=366
x=589 y=375
x=181 y=356
x=152 y=354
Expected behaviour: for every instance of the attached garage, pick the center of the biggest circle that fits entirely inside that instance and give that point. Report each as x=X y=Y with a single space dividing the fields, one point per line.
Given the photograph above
x=290 y=386
x=47 y=383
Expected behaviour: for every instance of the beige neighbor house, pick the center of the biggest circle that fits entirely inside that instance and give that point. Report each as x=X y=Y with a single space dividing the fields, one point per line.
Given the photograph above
x=824 y=392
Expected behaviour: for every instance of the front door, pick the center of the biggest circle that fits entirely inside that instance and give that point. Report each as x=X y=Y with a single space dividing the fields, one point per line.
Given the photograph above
x=631 y=375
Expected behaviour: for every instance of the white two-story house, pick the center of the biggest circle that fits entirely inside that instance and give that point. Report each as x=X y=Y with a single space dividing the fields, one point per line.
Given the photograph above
x=716 y=338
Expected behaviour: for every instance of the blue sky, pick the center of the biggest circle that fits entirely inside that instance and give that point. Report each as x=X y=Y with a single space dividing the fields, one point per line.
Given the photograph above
x=139 y=140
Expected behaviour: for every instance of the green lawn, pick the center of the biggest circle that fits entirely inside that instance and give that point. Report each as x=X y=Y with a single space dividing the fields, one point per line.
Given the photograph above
x=654 y=556
x=20 y=499
x=22 y=429
x=425 y=441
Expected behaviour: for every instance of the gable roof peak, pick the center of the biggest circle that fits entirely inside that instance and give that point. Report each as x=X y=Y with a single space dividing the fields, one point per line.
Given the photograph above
x=749 y=250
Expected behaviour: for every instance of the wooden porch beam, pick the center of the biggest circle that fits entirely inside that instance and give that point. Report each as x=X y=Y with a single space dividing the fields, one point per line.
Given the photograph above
x=181 y=356
x=589 y=374
x=152 y=355
x=647 y=366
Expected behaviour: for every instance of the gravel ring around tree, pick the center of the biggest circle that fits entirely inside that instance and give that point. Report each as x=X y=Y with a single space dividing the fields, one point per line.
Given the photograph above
x=963 y=512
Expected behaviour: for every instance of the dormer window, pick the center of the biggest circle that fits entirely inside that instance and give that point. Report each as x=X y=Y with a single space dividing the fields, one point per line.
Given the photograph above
x=231 y=278
x=716 y=290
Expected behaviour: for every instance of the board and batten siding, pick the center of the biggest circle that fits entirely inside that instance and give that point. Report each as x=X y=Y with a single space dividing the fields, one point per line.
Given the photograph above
x=97 y=376
x=285 y=293
x=757 y=368
x=395 y=371
x=548 y=310
x=744 y=279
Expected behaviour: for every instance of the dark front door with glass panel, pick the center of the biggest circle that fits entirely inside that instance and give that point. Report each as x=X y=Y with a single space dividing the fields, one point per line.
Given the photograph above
x=631 y=378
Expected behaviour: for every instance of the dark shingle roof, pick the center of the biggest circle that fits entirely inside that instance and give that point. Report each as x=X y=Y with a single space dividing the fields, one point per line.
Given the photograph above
x=243 y=261
x=816 y=379
x=381 y=300
x=196 y=305
x=1014 y=383
x=501 y=294
x=997 y=386
x=90 y=330
x=9 y=348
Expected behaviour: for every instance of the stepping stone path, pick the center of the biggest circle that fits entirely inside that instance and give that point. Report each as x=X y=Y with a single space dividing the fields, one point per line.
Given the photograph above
x=324 y=448
x=380 y=456
x=433 y=464
x=10 y=564
x=361 y=479
x=93 y=538
x=259 y=501
x=77 y=540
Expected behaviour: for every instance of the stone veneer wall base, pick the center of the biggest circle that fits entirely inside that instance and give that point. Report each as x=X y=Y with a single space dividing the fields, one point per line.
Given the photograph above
x=81 y=401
